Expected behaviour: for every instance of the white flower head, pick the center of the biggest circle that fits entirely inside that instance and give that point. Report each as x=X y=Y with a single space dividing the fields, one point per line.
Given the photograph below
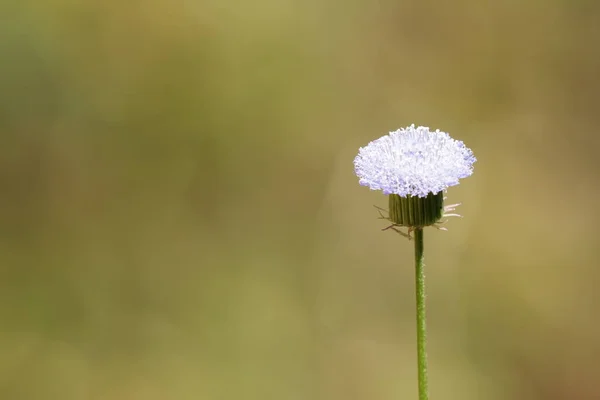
x=413 y=161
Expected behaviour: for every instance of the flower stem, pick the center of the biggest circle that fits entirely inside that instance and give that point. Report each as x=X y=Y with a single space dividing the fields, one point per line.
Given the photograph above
x=421 y=328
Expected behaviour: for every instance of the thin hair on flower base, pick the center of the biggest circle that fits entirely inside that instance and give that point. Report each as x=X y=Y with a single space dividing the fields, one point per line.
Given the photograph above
x=414 y=166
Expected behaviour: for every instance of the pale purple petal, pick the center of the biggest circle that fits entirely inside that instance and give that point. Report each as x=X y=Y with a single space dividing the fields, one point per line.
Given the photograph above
x=413 y=161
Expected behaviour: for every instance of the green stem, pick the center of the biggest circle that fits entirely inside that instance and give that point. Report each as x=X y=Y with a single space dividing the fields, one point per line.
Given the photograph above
x=421 y=329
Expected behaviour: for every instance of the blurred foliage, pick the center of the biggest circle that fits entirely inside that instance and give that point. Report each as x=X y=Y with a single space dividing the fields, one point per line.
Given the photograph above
x=179 y=217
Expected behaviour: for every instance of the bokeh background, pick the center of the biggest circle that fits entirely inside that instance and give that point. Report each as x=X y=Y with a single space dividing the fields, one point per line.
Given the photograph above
x=179 y=217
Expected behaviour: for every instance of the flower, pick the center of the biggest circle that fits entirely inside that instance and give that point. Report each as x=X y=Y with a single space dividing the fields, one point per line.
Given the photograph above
x=413 y=162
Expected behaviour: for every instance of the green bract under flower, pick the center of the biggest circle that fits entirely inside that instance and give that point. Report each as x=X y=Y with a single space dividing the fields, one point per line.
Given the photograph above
x=416 y=212
x=413 y=162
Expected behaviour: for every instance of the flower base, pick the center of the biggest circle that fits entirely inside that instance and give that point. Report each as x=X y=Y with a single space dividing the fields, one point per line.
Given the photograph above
x=416 y=212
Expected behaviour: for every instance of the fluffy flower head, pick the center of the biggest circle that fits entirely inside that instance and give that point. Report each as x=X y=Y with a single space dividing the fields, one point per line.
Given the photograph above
x=413 y=161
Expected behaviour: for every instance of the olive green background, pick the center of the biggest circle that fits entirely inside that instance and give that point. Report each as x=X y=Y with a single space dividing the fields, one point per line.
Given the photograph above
x=179 y=216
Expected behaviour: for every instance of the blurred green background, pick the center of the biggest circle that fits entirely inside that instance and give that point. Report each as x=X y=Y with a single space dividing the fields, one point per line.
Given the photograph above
x=179 y=216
